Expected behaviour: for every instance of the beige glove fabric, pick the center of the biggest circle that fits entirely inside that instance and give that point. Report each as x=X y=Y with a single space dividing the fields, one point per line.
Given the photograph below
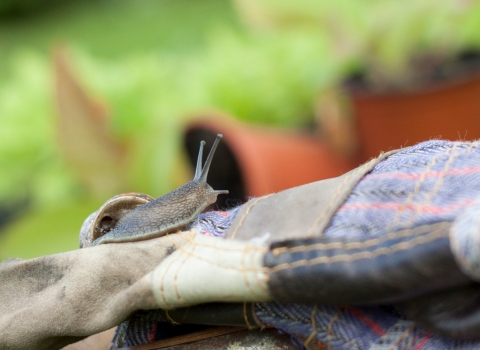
x=211 y=269
x=51 y=301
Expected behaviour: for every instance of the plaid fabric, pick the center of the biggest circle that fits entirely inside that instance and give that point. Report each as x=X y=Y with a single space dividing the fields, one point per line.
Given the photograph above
x=374 y=327
x=147 y=326
x=431 y=182
x=428 y=183
x=214 y=223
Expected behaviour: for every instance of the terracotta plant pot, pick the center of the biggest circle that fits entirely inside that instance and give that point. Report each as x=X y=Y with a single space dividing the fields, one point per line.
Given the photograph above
x=254 y=161
x=389 y=121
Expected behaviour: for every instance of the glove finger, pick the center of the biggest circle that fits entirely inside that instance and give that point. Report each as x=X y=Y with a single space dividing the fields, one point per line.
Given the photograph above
x=400 y=265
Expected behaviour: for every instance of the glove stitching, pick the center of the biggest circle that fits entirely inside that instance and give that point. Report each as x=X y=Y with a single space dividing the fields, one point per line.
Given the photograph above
x=311 y=231
x=324 y=260
x=256 y=276
x=215 y=263
x=330 y=331
x=247 y=212
x=362 y=244
x=314 y=326
x=245 y=272
x=162 y=283
x=175 y=277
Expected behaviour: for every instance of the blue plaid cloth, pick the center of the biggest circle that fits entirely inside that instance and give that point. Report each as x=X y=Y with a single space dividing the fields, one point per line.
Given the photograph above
x=431 y=182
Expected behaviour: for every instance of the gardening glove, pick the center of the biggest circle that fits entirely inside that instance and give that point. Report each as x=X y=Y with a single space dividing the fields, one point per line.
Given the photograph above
x=51 y=301
x=297 y=246
x=386 y=232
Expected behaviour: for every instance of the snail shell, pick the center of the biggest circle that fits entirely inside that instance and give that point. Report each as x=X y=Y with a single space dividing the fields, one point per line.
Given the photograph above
x=106 y=218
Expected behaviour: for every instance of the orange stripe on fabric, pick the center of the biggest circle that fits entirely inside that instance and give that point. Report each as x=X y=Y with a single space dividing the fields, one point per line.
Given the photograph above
x=432 y=174
x=422 y=342
x=374 y=326
x=428 y=209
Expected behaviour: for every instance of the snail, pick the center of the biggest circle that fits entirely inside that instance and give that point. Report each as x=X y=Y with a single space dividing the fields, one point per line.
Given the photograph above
x=133 y=217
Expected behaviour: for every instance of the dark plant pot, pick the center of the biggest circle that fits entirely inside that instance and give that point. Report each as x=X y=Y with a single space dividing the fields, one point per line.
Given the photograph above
x=11 y=211
x=254 y=161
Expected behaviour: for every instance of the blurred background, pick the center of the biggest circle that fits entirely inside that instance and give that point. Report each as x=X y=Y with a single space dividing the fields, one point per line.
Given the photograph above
x=95 y=96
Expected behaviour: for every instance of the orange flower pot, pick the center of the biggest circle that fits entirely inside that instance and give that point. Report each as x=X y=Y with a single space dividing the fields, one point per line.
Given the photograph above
x=389 y=121
x=254 y=161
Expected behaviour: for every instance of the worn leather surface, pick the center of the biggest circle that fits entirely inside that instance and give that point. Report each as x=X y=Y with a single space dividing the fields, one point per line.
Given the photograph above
x=299 y=212
x=399 y=265
x=51 y=301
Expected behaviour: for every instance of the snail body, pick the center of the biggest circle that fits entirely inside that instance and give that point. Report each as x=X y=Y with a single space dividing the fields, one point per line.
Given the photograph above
x=134 y=216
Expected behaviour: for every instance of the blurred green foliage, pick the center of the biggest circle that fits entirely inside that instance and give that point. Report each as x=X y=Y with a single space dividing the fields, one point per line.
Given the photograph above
x=151 y=90
x=110 y=37
x=157 y=62
x=384 y=39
